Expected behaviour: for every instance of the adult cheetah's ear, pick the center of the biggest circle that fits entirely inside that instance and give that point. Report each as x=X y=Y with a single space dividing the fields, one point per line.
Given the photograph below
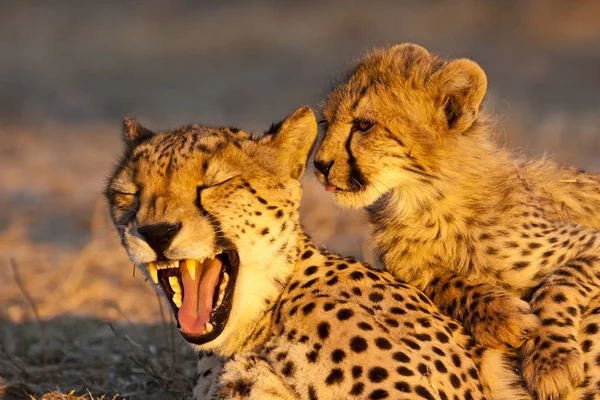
x=461 y=85
x=134 y=133
x=294 y=139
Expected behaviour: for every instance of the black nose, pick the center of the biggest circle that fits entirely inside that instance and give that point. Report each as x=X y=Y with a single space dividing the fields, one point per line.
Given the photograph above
x=159 y=236
x=323 y=166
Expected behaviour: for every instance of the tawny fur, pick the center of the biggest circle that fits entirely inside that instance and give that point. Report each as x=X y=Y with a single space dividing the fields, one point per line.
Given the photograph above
x=305 y=323
x=463 y=218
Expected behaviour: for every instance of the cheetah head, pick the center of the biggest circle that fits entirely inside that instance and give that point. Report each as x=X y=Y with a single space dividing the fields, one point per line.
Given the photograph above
x=389 y=121
x=208 y=214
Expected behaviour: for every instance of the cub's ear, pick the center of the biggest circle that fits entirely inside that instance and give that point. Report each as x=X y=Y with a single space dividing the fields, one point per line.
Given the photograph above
x=294 y=138
x=410 y=56
x=461 y=85
x=134 y=133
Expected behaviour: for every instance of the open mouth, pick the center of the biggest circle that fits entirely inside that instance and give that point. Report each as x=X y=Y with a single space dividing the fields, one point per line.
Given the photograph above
x=200 y=293
x=335 y=189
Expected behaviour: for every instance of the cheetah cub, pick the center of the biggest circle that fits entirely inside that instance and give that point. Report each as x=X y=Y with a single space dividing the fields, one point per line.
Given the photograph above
x=486 y=234
x=210 y=215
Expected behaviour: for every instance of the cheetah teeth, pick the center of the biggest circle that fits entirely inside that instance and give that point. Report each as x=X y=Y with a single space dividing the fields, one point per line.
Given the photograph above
x=177 y=292
x=153 y=272
x=174 y=283
x=153 y=268
x=177 y=300
x=208 y=328
x=167 y=264
x=193 y=269
x=222 y=287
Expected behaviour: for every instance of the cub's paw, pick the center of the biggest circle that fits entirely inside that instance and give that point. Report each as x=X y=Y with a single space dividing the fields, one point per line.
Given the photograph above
x=503 y=320
x=552 y=369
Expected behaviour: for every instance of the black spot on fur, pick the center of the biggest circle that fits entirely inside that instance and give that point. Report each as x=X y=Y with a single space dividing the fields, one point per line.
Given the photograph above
x=242 y=387
x=376 y=297
x=335 y=376
x=337 y=355
x=404 y=371
x=344 y=314
x=424 y=393
x=358 y=344
x=323 y=330
x=357 y=275
x=357 y=389
x=307 y=254
x=307 y=309
x=378 y=374
x=383 y=343
x=311 y=270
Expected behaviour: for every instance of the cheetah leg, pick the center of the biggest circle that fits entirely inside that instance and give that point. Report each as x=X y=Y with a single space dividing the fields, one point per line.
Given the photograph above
x=493 y=316
x=553 y=362
x=589 y=337
x=247 y=376
x=209 y=368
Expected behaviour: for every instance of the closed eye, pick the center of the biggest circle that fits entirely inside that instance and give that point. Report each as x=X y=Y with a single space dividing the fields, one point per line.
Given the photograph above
x=119 y=197
x=200 y=188
x=118 y=193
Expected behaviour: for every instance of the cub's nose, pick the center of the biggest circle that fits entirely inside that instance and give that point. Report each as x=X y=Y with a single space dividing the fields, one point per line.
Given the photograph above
x=159 y=236
x=323 y=167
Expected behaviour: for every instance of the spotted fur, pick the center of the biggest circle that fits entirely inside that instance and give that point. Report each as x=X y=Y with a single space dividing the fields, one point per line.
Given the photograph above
x=305 y=323
x=507 y=246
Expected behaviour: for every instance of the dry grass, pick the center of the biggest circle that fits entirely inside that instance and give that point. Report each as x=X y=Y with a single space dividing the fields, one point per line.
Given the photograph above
x=82 y=325
x=75 y=322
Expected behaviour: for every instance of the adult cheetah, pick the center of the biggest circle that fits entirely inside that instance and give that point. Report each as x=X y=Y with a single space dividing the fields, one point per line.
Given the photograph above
x=210 y=215
x=463 y=218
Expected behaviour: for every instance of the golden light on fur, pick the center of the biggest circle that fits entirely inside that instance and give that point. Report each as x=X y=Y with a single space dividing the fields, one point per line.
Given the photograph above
x=199 y=196
x=462 y=217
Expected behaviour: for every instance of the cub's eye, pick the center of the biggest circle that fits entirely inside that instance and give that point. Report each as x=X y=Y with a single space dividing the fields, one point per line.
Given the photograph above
x=362 y=125
x=122 y=200
x=124 y=196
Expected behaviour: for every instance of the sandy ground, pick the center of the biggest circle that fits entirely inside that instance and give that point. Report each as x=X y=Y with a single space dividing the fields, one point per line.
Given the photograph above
x=73 y=315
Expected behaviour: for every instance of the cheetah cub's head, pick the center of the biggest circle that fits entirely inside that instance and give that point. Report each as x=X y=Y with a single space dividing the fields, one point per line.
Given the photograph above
x=209 y=215
x=392 y=120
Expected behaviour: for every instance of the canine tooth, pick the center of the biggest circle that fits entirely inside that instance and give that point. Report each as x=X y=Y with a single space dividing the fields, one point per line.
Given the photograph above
x=191 y=266
x=219 y=302
x=177 y=300
x=174 y=282
x=153 y=272
x=225 y=277
x=209 y=327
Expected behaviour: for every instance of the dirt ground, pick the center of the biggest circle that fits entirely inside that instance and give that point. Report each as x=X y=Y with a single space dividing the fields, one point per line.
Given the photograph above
x=75 y=318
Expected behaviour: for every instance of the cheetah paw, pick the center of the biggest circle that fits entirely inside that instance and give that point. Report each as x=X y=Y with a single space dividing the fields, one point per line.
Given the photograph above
x=552 y=371
x=505 y=320
x=250 y=377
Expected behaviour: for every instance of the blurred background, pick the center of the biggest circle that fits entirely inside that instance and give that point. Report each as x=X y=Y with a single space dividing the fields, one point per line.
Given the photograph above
x=72 y=315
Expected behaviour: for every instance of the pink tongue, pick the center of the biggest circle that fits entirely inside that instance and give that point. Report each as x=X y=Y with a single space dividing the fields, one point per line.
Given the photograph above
x=330 y=188
x=197 y=302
